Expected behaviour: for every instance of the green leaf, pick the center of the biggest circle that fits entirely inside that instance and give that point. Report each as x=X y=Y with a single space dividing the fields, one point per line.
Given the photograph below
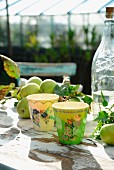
x=4 y=90
x=1 y=87
x=57 y=90
x=11 y=68
x=104 y=102
x=102 y=116
x=74 y=88
x=62 y=90
x=112 y=114
x=14 y=92
x=65 y=89
x=96 y=133
x=87 y=99
x=112 y=106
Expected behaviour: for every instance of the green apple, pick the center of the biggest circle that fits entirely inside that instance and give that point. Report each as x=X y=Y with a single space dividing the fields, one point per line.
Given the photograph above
x=31 y=88
x=23 y=108
x=35 y=79
x=47 y=86
x=107 y=133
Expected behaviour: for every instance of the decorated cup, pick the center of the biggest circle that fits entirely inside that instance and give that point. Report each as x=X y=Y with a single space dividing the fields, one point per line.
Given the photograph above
x=70 y=118
x=41 y=111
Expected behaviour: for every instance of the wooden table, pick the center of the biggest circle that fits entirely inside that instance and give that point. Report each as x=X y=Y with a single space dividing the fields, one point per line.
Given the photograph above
x=23 y=148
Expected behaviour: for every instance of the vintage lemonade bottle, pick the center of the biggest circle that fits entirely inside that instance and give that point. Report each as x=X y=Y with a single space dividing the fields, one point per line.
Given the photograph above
x=103 y=64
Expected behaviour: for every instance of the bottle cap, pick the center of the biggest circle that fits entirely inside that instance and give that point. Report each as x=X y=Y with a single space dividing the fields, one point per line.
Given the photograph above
x=109 y=12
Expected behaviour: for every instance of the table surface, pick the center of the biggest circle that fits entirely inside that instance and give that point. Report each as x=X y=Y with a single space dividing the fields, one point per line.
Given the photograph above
x=23 y=148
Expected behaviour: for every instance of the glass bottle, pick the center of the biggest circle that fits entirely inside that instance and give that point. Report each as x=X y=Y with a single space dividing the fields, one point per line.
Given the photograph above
x=102 y=73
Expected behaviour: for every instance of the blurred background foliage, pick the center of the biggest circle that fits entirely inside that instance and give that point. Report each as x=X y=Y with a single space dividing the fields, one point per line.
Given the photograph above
x=49 y=41
x=66 y=38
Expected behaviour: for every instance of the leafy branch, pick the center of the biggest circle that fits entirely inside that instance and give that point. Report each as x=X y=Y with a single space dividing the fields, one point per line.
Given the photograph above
x=67 y=92
x=105 y=116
